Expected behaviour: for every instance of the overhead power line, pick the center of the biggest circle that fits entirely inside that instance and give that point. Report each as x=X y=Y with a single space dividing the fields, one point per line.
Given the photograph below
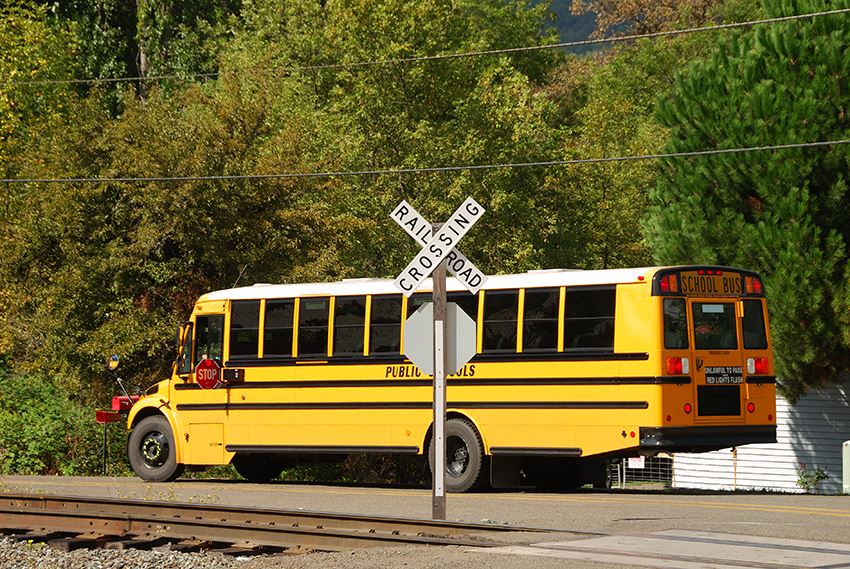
x=445 y=56
x=426 y=170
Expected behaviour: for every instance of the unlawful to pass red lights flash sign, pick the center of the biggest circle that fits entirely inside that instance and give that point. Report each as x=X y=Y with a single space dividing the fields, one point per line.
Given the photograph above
x=439 y=246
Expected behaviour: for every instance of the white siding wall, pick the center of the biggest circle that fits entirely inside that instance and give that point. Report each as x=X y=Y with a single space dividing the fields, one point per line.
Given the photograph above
x=809 y=434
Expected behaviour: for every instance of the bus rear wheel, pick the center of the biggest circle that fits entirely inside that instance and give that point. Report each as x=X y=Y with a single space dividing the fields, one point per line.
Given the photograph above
x=152 y=452
x=257 y=468
x=464 y=456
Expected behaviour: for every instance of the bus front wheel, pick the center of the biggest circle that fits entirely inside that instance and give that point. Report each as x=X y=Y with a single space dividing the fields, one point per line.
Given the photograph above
x=464 y=456
x=152 y=452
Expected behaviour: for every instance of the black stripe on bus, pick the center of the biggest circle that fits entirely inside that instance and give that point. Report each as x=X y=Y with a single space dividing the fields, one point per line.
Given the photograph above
x=526 y=451
x=459 y=382
x=761 y=379
x=582 y=356
x=410 y=405
x=279 y=449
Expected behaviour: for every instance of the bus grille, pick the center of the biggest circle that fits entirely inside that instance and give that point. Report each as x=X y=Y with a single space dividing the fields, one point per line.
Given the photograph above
x=714 y=400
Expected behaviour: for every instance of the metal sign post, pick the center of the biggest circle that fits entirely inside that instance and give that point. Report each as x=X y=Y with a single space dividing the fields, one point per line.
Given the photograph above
x=438 y=495
x=437 y=252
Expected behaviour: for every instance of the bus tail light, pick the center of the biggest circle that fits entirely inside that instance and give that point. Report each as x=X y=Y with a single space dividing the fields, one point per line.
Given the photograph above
x=751 y=407
x=753 y=285
x=678 y=366
x=757 y=366
x=669 y=283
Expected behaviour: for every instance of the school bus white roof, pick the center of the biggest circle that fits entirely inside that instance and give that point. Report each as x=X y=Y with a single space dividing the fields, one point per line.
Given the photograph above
x=351 y=287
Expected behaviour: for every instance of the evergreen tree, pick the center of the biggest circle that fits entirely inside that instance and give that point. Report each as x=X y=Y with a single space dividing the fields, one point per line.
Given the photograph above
x=783 y=213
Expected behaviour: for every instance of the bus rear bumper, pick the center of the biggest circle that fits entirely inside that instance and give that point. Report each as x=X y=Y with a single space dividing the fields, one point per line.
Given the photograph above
x=702 y=439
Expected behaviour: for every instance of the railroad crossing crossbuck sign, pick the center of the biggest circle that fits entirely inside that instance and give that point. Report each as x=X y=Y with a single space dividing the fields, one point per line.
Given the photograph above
x=438 y=247
x=439 y=253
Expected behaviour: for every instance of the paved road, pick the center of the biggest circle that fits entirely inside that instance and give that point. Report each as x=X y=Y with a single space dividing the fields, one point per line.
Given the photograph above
x=744 y=529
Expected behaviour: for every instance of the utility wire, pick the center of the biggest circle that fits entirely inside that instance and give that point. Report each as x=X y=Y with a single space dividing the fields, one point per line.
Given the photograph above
x=459 y=55
x=427 y=170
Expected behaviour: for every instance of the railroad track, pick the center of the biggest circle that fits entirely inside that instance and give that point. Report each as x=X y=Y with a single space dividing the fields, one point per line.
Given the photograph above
x=70 y=522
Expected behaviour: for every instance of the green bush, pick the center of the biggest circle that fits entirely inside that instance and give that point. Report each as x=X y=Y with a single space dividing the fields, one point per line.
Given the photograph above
x=43 y=431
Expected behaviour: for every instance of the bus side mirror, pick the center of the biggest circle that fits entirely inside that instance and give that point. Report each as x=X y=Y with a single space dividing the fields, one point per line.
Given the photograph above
x=112 y=362
x=184 y=348
x=184 y=330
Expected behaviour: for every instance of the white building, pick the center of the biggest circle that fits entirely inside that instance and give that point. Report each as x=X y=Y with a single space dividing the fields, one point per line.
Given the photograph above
x=809 y=435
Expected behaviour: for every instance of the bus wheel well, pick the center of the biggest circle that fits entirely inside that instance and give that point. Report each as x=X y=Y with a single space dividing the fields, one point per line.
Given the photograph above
x=449 y=415
x=145 y=413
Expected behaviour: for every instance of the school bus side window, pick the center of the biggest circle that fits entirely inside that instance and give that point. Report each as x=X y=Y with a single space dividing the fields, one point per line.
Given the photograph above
x=209 y=337
x=500 y=320
x=244 y=328
x=313 y=327
x=349 y=323
x=385 y=325
x=466 y=302
x=277 y=328
x=415 y=301
x=540 y=320
x=589 y=318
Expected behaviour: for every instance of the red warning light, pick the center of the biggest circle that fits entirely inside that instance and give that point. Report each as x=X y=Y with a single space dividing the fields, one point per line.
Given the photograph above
x=688 y=408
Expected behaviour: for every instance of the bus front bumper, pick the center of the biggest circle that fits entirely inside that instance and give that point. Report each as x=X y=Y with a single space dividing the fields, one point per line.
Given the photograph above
x=702 y=439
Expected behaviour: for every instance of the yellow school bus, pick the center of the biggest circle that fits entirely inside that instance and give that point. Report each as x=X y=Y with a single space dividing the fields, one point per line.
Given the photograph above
x=572 y=368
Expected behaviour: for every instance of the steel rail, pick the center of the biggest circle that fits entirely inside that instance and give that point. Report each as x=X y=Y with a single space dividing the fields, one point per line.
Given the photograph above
x=122 y=519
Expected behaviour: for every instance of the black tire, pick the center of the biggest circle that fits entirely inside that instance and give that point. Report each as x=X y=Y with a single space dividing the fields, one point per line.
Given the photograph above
x=464 y=456
x=257 y=467
x=605 y=480
x=152 y=452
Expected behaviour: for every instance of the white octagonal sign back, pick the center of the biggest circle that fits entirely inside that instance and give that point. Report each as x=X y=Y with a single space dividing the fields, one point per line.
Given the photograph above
x=419 y=338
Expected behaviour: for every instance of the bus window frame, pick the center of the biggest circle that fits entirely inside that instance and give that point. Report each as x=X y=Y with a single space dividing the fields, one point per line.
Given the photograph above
x=336 y=326
x=557 y=320
x=275 y=303
x=328 y=299
x=196 y=344
x=385 y=325
x=511 y=344
x=684 y=302
x=257 y=330
x=699 y=337
x=763 y=332
x=570 y=339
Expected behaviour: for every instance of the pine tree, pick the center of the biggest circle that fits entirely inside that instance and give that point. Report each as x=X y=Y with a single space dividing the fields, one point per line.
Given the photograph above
x=784 y=213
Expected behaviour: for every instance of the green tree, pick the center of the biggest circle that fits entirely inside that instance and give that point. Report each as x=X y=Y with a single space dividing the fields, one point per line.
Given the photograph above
x=97 y=268
x=474 y=110
x=43 y=432
x=782 y=213
x=31 y=53
x=645 y=16
x=607 y=108
x=145 y=38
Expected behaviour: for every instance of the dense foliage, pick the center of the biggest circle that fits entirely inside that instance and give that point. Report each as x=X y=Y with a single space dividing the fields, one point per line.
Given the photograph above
x=266 y=87
x=43 y=432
